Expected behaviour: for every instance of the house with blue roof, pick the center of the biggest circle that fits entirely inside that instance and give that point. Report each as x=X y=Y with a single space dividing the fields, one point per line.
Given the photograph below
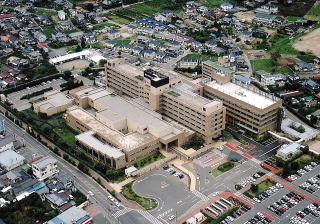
x=242 y=79
x=148 y=53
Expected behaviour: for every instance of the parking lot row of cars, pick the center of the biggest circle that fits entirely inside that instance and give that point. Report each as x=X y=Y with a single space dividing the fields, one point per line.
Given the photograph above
x=173 y=171
x=312 y=184
x=259 y=218
x=248 y=180
x=301 y=172
x=285 y=203
x=267 y=193
x=310 y=210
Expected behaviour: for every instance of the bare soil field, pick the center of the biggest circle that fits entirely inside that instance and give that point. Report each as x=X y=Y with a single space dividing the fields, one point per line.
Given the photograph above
x=245 y=16
x=298 y=8
x=309 y=43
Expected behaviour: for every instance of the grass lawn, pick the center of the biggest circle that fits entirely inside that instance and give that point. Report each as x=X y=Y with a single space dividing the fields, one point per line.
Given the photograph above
x=103 y=25
x=66 y=134
x=118 y=19
x=293 y=18
x=314 y=12
x=122 y=41
x=282 y=44
x=46 y=12
x=150 y=159
x=202 y=57
x=70 y=31
x=47 y=30
x=146 y=203
x=212 y=3
x=266 y=64
x=224 y=168
x=98 y=45
x=262 y=186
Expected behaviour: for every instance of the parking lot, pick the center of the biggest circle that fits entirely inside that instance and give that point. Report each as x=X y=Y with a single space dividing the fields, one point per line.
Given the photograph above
x=173 y=197
x=15 y=97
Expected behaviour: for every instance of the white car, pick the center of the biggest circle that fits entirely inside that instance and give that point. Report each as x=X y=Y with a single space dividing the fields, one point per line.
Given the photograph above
x=171 y=218
x=90 y=193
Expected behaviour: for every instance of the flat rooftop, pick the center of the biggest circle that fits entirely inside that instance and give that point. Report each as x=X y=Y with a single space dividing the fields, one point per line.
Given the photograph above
x=132 y=116
x=89 y=139
x=217 y=66
x=44 y=161
x=183 y=92
x=126 y=142
x=92 y=93
x=54 y=99
x=241 y=93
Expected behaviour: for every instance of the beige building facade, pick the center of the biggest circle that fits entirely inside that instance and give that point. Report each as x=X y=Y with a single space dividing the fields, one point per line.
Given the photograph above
x=116 y=131
x=155 y=85
x=55 y=102
x=249 y=110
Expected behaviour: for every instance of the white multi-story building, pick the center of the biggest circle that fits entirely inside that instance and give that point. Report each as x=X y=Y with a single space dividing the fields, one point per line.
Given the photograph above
x=44 y=168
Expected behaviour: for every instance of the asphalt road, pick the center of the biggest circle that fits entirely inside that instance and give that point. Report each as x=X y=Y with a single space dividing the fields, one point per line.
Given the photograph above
x=83 y=182
x=172 y=196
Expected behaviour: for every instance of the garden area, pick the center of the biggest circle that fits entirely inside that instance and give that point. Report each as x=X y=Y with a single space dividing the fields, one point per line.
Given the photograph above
x=223 y=168
x=291 y=166
x=148 y=160
x=257 y=189
x=196 y=142
x=119 y=19
x=101 y=26
x=29 y=210
x=146 y=203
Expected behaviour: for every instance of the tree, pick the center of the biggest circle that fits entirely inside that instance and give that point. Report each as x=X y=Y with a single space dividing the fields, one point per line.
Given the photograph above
x=254 y=187
x=102 y=62
x=305 y=149
x=295 y=166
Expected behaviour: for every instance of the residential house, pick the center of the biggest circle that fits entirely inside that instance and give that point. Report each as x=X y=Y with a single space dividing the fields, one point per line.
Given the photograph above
x=150 y=54
x=44 y=168
x=188 y=63
x=226 y=6
x=113 y=34
x=61 y=15
x=40 y=37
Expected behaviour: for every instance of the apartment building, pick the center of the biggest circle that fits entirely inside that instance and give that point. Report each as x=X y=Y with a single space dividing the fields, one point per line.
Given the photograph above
x=202 y=115
x=119 y=132
x=44 y=167
x=217 y=70
x=249 y=110
x=170 y=94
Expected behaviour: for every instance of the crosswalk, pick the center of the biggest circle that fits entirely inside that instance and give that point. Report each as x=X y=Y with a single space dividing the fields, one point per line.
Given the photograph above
x=200 y=195
x=145 y=214
x=150 y=217
x=121 y=212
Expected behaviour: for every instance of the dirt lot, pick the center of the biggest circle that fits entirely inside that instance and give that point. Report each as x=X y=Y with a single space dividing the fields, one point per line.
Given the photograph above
x=245 y=16
x=298 y=8
x=309 y=42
